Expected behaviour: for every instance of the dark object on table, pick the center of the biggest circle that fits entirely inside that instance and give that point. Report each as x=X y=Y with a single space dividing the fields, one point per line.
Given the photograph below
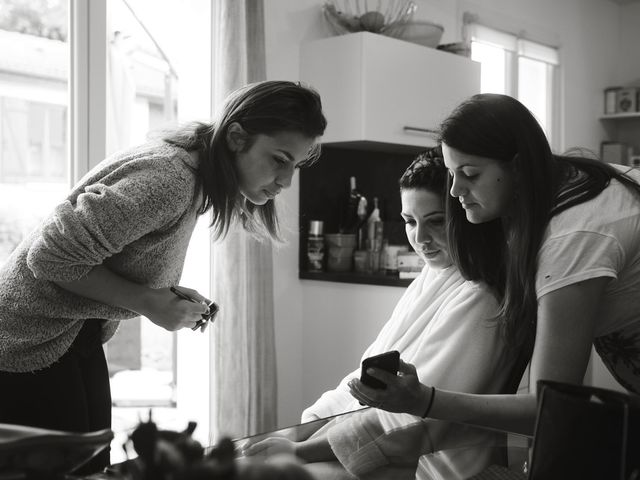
x=585 y=432
x=169 y=455
x=498 y=472
x=162 y=454
x=38 y=453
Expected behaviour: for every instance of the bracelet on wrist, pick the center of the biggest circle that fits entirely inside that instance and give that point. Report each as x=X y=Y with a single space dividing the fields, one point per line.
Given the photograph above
x=433 y=395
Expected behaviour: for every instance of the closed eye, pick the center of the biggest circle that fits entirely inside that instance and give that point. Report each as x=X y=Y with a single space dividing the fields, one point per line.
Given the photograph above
x=468 y=175
x=303 y=163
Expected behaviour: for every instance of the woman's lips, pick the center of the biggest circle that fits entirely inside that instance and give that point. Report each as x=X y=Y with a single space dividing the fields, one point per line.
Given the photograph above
x=270 y=195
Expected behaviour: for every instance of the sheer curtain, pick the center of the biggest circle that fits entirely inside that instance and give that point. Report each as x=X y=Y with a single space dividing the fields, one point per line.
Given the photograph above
x=244 y=384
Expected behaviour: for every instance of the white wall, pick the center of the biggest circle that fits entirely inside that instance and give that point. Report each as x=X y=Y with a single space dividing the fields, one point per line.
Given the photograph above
x=628 y=59
x=313 y=356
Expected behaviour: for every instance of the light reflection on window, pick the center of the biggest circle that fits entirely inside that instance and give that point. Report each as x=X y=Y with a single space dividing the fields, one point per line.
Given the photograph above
x=534 y=85
x=534 y=89
x=34 y=161
x=493 y=74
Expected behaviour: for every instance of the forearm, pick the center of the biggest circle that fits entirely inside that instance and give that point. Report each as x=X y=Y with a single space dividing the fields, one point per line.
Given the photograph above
x=102 y=285
x=316 y=449
x=513 y=413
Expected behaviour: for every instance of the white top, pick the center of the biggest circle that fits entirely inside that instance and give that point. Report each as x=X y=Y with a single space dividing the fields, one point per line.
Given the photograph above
x=442 y=326
x=601 y=238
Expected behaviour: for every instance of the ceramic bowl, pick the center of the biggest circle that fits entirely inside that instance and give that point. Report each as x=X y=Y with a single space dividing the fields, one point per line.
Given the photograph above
x=422 y=32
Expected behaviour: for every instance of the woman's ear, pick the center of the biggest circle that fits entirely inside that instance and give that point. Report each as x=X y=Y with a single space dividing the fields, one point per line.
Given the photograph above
x=236 y=137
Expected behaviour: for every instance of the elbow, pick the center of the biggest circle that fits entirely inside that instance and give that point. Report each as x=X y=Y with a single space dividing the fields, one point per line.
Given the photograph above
x=44 y=265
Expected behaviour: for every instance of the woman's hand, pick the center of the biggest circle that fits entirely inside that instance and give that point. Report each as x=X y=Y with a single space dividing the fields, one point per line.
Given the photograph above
x=161 y=305
x=171 y=312
x=269 y=446
x=404 y=392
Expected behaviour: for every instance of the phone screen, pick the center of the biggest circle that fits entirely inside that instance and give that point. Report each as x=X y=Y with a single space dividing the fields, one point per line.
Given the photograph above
x=388 y=361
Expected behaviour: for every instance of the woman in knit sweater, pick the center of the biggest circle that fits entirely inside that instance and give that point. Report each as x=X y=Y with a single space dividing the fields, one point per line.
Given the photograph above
x=114 y=247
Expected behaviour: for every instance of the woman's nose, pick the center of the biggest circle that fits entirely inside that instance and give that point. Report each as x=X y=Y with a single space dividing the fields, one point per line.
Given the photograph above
x=423 y=235
x=284 y=177
x=456 y=189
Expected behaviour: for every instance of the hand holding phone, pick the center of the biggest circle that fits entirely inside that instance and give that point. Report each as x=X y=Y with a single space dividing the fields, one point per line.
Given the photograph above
x=388 y=361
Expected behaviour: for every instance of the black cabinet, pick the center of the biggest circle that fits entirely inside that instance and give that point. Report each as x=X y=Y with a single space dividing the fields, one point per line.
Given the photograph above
x=324 y=189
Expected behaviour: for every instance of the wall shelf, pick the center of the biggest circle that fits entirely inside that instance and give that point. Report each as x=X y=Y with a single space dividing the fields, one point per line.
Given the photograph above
x=620 y=116
x=324 y=188
x=352 y=277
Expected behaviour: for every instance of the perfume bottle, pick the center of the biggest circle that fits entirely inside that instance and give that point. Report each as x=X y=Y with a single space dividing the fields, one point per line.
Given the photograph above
x=315 y=246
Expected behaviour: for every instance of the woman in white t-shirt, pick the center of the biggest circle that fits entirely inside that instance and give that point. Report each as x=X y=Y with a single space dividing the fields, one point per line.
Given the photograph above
x=557 y=236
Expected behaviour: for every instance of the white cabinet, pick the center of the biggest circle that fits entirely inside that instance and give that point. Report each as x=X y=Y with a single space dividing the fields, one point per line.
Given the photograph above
x=384 y=90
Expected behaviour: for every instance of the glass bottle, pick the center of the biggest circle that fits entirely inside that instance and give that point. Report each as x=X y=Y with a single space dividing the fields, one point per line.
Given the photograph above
x=315 y=246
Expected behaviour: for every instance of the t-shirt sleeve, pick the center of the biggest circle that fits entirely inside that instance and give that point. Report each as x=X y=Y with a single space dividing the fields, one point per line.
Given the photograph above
x=106 y=217
x=575 y=257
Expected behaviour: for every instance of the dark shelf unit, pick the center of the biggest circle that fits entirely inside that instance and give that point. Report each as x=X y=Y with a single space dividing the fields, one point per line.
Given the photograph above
x=355 y=277
x=324 y=189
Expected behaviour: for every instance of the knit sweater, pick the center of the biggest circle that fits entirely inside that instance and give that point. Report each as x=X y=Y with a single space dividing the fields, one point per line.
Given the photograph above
x=133 y=213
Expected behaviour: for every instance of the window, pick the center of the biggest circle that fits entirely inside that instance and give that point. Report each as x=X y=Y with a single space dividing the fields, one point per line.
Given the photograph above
x=520 y=68
x=34 y=161
x=80 y=79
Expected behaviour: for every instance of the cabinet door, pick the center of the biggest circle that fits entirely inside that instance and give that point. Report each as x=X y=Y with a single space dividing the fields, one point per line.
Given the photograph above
x=384 y=90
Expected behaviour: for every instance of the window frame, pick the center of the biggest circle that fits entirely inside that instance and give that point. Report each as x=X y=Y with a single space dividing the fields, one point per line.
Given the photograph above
x=87 y=85
x=517 y=46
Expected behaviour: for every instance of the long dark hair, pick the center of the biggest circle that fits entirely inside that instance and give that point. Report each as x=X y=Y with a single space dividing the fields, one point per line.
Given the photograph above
x=267 y=108
x=504 y=254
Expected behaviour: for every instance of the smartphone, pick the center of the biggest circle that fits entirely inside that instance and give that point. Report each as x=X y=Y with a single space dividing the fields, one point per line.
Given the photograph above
x=388 y=361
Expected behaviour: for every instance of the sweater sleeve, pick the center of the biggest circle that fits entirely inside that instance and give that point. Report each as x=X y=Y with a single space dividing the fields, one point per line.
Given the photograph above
x=134 y=200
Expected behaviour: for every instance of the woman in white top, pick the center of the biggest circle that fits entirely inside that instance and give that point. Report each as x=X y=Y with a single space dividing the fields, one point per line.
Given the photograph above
x=557 y=237
x=443 y=324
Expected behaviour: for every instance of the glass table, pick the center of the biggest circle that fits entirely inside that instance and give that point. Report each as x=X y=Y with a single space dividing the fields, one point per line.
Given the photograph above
x=453 y=451
x=459 y=451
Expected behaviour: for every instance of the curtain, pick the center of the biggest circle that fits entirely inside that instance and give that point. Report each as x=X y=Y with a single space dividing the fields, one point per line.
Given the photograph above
x=244 y=387
x=121 y=95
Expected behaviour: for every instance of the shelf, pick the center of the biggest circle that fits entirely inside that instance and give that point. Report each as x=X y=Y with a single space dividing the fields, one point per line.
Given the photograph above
x=353 y=277
x=620 y=116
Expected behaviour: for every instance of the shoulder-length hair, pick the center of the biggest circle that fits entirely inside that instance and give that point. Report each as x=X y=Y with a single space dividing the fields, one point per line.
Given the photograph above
x=504 y=254
x=266 y=108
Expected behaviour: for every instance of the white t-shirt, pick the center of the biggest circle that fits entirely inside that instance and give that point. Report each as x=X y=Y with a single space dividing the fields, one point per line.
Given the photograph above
x=601 y=238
